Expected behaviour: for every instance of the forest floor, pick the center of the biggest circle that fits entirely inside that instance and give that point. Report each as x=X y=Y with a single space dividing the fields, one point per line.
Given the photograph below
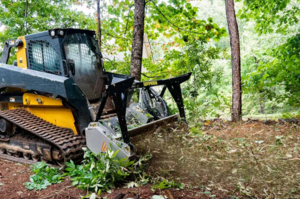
x=216 y=159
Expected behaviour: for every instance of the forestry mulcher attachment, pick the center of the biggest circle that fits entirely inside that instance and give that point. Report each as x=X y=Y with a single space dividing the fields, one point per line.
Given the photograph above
x=57 y=98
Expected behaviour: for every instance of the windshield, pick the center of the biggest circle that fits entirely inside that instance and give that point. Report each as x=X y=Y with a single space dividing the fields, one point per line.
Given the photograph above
x=83 y=50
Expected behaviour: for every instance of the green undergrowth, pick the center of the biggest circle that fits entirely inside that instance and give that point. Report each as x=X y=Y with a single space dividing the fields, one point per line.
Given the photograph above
x=43 y=176
x=96 y=173
x=100 y=172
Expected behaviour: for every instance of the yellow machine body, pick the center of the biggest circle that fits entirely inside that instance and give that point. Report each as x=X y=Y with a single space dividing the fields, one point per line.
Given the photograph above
x=46 y=108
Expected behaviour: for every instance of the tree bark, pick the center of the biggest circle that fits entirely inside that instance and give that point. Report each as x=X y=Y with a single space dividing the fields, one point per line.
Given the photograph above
x=99 y=25
x=138 y=40
x=236 y=113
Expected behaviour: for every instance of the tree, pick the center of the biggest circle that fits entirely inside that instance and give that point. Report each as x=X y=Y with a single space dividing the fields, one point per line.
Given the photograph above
x=99 y=24
x=236 y=112
x=138 y=40
x=29 y=16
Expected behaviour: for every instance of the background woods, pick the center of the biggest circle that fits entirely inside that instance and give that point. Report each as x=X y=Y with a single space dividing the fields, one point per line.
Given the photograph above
x=182 y=36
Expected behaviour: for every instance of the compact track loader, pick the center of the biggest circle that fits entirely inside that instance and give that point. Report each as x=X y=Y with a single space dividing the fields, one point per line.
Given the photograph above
x=57 y=98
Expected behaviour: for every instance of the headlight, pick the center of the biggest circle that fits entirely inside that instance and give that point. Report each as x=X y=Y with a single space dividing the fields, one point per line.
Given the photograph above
x=52 y=33
x=61 y=33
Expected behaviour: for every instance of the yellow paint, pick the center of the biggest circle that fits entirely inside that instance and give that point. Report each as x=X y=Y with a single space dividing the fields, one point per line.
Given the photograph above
x=152 y=83
x=48 y=109
x=58 y=116
x=13 y=105
x=30 y=99
x=104 y=147
x=21 y=54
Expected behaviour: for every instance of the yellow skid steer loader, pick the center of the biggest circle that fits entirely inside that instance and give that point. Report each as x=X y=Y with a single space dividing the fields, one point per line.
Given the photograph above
x=57 y=98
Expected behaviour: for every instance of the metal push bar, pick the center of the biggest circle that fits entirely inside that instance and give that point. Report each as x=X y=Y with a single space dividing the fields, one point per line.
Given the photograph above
x=119 y=85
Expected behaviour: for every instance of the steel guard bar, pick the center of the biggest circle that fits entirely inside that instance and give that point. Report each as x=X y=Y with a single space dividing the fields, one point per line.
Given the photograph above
x=119 y=85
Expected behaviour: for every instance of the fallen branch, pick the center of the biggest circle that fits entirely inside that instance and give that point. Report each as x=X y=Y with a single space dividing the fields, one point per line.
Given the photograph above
x=256 y=160
x=119 y=196
x=169 y=194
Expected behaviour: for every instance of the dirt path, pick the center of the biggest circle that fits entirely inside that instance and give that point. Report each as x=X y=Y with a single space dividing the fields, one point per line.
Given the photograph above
x=13 y=175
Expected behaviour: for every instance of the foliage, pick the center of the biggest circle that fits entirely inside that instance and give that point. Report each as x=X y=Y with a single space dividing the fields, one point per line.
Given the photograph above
x=121 y=67
x=202 y=88
x=280 y=72
x=99 y=172
x=289 y=115
x=269 y=69
x=96 y=173
x=271 y=15
x=194 y=58
x=29 y=16
x=165 y=184
x=44 y=176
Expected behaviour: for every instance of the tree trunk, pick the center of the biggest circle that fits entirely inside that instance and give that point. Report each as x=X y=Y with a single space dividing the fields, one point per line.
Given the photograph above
x=236 y=113
x=262 y=105
x=25 y=15
x=99 y=25
x=260 y=100
x=138 y=39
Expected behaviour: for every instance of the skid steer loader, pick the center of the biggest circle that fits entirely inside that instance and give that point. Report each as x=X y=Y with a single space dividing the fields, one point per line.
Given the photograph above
x=57 y=98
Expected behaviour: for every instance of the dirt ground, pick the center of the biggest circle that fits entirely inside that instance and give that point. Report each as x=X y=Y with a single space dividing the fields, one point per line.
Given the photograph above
x=13 y=175
x=214 y=159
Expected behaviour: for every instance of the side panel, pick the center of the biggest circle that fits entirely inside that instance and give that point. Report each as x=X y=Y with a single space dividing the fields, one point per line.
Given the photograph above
x=58 y=116
x=50 y=110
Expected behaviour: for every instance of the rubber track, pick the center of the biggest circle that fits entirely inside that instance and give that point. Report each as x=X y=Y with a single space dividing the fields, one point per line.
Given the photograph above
x=62 y=138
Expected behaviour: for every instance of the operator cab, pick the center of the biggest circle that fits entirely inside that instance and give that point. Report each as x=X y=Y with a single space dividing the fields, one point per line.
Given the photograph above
x=72 y=53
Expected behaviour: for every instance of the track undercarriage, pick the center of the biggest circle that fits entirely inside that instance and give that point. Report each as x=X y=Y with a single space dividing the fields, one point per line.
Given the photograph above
x=28 y=139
